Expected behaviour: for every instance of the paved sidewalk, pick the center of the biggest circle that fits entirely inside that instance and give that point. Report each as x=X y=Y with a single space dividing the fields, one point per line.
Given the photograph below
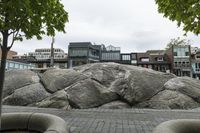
x=112 y=121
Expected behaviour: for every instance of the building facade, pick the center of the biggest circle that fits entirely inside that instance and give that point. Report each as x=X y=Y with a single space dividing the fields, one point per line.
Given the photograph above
x=10 y=65
x=176 y=59
x=10 y=54
x=41 y=58
x=154 y=59
x=45 y=54
x=125 y=58
x=196 y=64
x=110 y=54
x=134 y=59
x=180 y=60
x=80 y=53
x=58 y=63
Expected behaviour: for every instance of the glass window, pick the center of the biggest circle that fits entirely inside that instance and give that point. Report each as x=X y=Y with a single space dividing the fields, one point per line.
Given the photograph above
x=25 y=67
x=78 y=52
x=6 y=64
x=126 y=57
x=175 y=53
x=133 y=56
x=11 y=65
x=16 y=65
x=145 y=59
x=175 y=49
x=160 y=59
x=21 y=66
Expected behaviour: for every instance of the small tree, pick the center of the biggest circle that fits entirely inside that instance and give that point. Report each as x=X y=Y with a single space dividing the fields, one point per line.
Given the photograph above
x=25 y=19
x=177 y=42
x=184 y=12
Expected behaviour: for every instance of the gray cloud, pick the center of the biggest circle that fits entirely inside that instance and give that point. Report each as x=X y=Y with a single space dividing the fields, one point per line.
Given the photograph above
x=134 y=25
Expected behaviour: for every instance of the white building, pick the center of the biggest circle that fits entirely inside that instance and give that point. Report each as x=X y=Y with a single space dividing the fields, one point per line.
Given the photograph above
x=45 y=53
x=43 y=56
x=112 y=48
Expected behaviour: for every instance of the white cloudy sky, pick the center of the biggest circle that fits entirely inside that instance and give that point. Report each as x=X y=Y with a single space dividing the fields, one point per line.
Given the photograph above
x=133 y=25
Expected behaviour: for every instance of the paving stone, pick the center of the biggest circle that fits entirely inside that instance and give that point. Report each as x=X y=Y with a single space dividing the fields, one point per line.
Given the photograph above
x=112 y=121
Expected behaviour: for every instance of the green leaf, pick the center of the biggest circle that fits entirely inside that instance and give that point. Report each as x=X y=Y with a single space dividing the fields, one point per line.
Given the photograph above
x=184 y=12
x=30 y=16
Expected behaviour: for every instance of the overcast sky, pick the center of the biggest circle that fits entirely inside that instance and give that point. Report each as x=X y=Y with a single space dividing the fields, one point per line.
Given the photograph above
x=133 y=25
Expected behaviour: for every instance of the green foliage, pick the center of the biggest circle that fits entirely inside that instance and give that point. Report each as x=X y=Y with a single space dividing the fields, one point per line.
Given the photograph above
x=185 y=12
x=29 y=18
x=177 y=42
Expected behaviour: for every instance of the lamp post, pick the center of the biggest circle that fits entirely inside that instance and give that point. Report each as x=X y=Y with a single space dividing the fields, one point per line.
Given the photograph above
x=52 y=52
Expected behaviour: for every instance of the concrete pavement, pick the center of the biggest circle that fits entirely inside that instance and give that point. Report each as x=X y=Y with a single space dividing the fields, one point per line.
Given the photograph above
x=112 y=121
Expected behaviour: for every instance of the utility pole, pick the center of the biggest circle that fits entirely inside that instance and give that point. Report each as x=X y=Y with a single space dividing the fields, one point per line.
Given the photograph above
x=52 y=52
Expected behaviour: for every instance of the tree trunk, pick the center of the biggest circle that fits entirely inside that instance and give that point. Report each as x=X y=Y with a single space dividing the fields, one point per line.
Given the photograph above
x=4 y=50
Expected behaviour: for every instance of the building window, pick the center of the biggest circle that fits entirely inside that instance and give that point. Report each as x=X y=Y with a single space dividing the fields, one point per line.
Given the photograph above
x=181 y=51
x=11 y=65
x=160 y=59
x=126 y=57
x=25 y=67
x=78 y=52
x=133 y=56
x=175 y=64
x=21 y=66
x=144 y=59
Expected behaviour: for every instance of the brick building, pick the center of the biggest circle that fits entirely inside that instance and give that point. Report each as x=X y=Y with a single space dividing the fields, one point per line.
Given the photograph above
x=10 y=54
x=180 y=60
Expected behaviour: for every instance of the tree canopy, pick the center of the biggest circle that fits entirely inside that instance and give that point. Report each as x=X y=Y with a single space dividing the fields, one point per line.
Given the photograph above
x=29 y=18
x=185 y=12
x=177 y=42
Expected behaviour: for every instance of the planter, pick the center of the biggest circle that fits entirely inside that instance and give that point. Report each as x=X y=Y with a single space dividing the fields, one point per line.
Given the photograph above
x=44 y=123
x=179 y=126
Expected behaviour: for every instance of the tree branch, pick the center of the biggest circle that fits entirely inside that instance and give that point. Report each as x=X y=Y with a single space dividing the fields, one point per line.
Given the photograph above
x=12 y=32
x=1 y=32
x=13 y=39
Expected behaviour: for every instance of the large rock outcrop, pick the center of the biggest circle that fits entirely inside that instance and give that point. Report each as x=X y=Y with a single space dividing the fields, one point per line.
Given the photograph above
x=115 y=105
x=177 y=93
x=89 y=94
x=57 y=100
x=186 y=86
x=26 y=95
x=168 y=99
x=16 y=79
x=103 y=85
x=140 y=84
x=57 y=79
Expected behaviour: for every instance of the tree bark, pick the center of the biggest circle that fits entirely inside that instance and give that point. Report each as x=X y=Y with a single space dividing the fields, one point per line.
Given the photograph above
x=4 y=50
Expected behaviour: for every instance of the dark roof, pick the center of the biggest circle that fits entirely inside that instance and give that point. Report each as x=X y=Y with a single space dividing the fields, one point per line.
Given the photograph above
x=156 y=52
x=83 y=45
